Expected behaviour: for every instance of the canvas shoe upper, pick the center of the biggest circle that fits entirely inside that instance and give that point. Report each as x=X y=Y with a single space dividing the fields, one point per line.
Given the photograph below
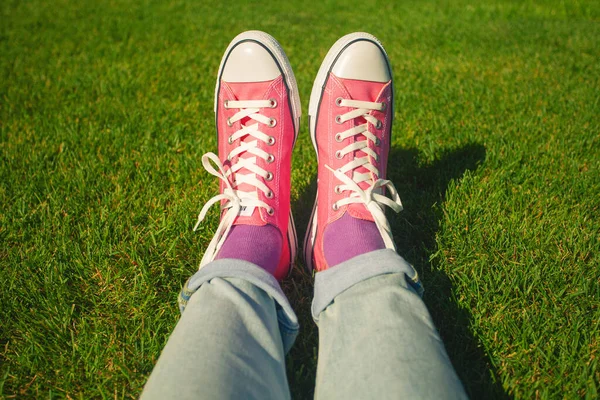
x=257 y=112
x=351 y=111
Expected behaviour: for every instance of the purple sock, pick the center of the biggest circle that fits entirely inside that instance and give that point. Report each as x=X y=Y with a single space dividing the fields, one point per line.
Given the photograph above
x=350 y=237
x=260 y=245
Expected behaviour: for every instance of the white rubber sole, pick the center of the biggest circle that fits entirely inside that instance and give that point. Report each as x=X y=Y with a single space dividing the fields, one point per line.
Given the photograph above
x=274 y=48
x=313 y=108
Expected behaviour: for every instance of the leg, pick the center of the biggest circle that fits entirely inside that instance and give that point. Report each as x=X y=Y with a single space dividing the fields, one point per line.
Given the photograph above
x=238 y=325
x=376 y=337
x=228 y=343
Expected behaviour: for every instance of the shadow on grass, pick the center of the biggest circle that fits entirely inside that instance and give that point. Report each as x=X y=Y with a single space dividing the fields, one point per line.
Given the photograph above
x=421 y=187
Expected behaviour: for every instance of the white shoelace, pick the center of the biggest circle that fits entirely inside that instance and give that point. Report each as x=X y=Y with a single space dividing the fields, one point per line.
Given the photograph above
x=237 y=200
x=372 y=198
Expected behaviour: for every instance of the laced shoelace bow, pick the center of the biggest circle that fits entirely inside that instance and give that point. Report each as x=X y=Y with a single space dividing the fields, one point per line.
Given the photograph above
x=236 y=200
x=371 y=197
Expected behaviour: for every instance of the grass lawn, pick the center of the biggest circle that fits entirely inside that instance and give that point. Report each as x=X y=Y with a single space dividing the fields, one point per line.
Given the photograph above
x=106 y=109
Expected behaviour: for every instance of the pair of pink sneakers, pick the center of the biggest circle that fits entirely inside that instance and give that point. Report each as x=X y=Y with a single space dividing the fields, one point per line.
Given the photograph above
x=257 y=110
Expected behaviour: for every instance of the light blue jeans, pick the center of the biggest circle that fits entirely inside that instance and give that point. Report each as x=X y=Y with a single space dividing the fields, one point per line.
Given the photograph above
x=376 y=337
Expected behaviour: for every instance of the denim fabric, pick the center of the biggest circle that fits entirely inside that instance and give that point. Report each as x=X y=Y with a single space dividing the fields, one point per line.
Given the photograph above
x=376 y=337
x=227 y=345
x=232 y=268
x=335 y=280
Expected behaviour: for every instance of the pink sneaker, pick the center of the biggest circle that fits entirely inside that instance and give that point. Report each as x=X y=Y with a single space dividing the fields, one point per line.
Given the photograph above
x=350 y=116
x=257 y=111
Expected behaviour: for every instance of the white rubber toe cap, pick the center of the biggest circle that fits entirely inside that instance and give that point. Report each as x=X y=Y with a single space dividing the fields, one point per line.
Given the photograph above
x=362 y=60
x=250 y=62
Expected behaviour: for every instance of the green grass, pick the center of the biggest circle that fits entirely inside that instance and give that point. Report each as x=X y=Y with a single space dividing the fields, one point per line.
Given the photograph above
x=106 y=109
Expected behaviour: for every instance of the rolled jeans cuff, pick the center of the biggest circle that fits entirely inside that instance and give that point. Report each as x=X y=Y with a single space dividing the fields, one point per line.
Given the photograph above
x=337 y=279
x=232 y=268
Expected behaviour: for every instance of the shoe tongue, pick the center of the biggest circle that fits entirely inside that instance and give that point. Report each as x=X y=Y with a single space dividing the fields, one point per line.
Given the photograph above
x=362 y=91
x=248 y=91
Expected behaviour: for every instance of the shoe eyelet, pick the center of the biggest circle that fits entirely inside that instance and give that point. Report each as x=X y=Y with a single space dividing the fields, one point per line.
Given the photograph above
x=377 y=142
x=383 y=106
x=338 y=101
x=338 y=119
x=229 y=123
x=338 y=137
x=337 y=189
x=272 y=122
x=226 y=104
x=335 y=206
x=269 y=194
x=269 y=177
x=379 y=125
x=271 y=141
x=338 y=155
x=230 y=140
x=271 y=211
x=273 y=103
x=270 y=158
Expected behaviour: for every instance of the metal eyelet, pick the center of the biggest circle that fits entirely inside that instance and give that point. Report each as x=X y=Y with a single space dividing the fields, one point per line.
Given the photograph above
x=230 y=140
x=338 y=101
x=269 y=194
x=226 y=104
x=270 y=158
x=273 y=103
x=338 y=155
x=338 y=119
x=377 y=142
x=229 y=123
x=337 y=189
x=383 y=106
x=272 y=122
x=271 y=141
x=271 y=211
x=379 y=125
x=269 y=177
x=338 y=137
x=335 y=206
